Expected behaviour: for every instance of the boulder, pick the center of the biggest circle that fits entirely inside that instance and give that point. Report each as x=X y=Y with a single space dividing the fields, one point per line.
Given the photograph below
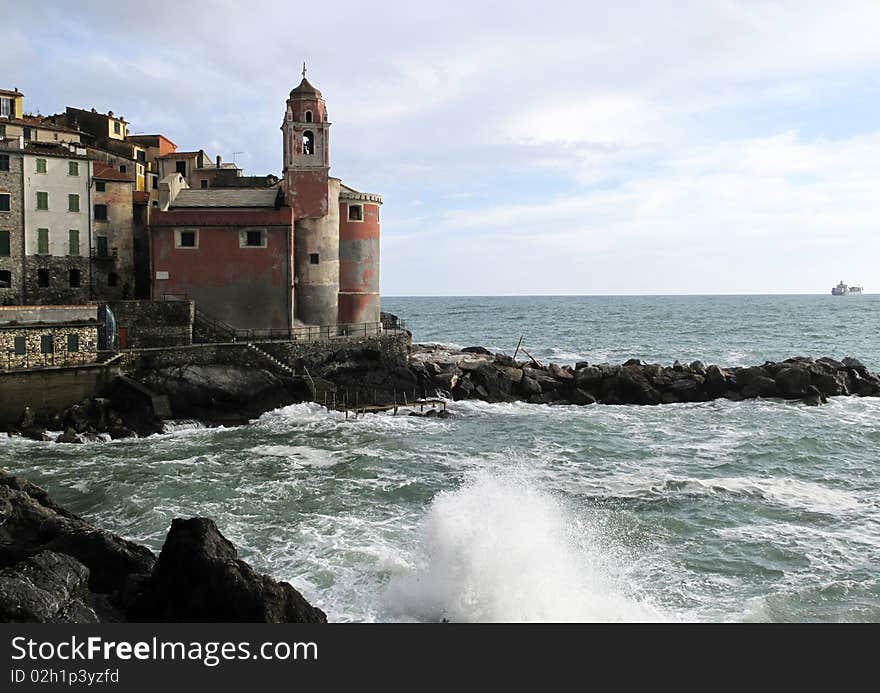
x=529 y=386
x=760 y=386
x=813 y=398
x=476 y=350
x=793 y=381
x=587 y=377
x=47 y=587
x=199 y=577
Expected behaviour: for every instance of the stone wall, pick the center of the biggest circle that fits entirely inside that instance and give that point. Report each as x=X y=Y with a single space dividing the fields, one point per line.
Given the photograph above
x=393 y=348
x=150 y=324
x=85 y=353
x=59 y=290
x=113 y=276
x=48 y=392
x=13 y=223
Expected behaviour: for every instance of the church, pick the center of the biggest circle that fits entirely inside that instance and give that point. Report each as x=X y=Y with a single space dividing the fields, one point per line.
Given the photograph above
x=273 y=255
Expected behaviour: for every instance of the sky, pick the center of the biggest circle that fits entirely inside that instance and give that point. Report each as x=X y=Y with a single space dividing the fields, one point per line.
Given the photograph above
x=521 y=147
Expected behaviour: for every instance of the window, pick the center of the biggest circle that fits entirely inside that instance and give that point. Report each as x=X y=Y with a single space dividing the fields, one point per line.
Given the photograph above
x=43 y=242
x=100 y=212
x=308 y=142
x=73 y=242
x=72 y=168
x=116 y=126
x=253 y=238
x=41 y=165
x=180 y=167
x=73 y=203
x=26 y=132
x=112 y=279
x=3 y=130
x=123 y=168
x=72 y=343
x=42 y=277
x=102 y=248
x=42 y=200
x=6 y=107
x=187 y=238
x=5 y=279
x=313 y=258
x=20 y=346
x=73 y=276
x=142 y=156
x=203 y=183
x=355 y=213
x=4 y=243
x=308 y=116
x=46 y=344
x=4 y=202
x=4 y=158
x=155 y=182
x=100 y=186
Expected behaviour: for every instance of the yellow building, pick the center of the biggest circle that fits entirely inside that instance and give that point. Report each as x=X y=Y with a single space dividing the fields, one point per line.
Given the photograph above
x=14 y=124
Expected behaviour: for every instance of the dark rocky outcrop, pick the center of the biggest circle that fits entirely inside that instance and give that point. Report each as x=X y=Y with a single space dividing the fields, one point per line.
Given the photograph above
x=80 y=423
x=474 y=374
x=199 y=577
x=222 y=393
x=57 y=567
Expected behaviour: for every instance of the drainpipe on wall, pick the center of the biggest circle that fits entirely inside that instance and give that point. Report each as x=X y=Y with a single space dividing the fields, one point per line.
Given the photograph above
x=90 y=210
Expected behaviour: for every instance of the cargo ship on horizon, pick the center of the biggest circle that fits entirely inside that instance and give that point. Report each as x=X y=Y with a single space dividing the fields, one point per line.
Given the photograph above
x=843 y=290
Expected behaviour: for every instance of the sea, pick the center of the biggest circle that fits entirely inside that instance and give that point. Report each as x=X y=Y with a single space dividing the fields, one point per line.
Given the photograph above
x=720 y=511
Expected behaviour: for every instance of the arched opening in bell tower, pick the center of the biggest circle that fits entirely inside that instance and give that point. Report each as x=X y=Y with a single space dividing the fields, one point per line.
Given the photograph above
x=308 y=142
x=308 y=116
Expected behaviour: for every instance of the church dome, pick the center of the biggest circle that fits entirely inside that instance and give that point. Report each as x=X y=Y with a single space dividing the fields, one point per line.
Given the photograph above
x=305 y=89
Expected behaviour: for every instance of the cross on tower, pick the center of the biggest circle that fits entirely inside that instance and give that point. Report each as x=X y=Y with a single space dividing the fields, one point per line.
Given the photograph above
x=304 y=69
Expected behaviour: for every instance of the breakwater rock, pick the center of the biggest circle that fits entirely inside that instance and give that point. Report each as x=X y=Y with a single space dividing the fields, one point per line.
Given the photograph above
x=477 y=373
x=56 y=567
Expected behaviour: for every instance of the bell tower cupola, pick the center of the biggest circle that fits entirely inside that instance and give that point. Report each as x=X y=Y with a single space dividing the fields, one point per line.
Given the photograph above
x=306 y=134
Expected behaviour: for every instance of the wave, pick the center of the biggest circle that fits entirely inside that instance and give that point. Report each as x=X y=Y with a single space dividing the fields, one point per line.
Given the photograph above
x=498 y=550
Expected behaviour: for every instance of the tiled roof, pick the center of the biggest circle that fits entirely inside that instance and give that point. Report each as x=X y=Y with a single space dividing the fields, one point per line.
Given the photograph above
x=226 y=197
x=179 y=154
x=104 y=172
x=40 y=123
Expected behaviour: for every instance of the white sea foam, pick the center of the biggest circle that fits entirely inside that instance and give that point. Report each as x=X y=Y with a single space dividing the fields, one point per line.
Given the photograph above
x=497 y=549
x=299 y=455
x=175 y=425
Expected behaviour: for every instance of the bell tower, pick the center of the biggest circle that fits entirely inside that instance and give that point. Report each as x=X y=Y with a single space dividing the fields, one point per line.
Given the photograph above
x=306 y=134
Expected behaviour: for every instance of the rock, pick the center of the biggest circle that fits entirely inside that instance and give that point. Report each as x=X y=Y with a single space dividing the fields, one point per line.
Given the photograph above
x=813 y=397
x=199 y=577
x=69 y=436
x=698 y=368
x=831 y=363
x=581 y=398
x=580 y=364
x=716 y=380
x=831 y=385
x=632 y=363
x=447 y=380
x=529 y=386
x=476 y=350
x=47 y=587
x=792 y=382
x=855 y=364
x=587 y=377
x=463 y=389
x=760 y=386
x=28 y=418
x=634 y=388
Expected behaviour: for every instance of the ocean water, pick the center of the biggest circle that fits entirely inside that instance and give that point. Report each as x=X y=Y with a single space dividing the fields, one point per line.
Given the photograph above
x=719 y=511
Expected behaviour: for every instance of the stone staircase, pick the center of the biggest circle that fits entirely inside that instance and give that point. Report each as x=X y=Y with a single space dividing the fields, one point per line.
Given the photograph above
x=276 y=364
x=209 y=330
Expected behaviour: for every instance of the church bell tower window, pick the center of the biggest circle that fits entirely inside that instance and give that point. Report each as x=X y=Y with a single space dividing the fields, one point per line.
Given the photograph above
x=308 y=142
x=308 y=116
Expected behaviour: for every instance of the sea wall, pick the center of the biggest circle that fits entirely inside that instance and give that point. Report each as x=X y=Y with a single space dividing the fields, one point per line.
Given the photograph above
x=50 y=390
x=149 y=324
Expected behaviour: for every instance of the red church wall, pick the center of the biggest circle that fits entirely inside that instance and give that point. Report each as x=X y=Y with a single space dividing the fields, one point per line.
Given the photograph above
x=307 y=193
x=359 y=265
x=246 y=287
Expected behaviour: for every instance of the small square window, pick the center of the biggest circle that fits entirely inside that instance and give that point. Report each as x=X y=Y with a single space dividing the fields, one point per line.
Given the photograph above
x=100 y=212
x=254 y=239
x=187 y=239
x=47 y=345
x=5 y=279
x=313 y=258
x=20 y=346
x=73 y=203
x=5 y=199
x=112 y=279
x=42 y=200
x=72 y=168
x=100 y=186
x=203 y=184
x=355 y=213
x=41 y=164
x=123 y=168
x=42 y=277
x=116 y=127
x=72 y=343
x=4 y=158
x=74 y=278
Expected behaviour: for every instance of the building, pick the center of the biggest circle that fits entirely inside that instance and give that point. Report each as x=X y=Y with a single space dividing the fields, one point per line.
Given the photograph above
x=112 y=247
x=57 y=224
x=15 y=124
x=48 y=336
x=303 y=253
x=230 y=250
x=11 y=226
x=337 y=228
